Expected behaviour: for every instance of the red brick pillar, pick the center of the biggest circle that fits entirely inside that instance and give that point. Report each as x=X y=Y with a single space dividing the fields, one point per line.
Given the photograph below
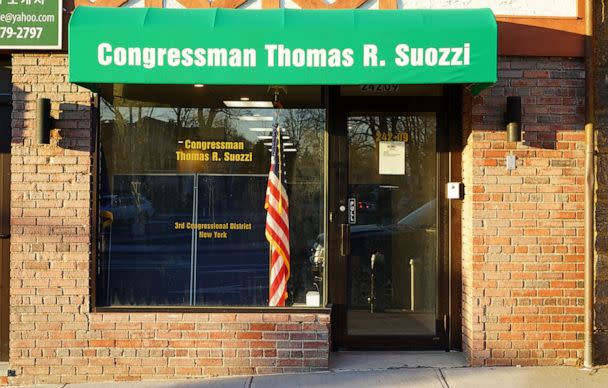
x=50 y=223
x=523 y=229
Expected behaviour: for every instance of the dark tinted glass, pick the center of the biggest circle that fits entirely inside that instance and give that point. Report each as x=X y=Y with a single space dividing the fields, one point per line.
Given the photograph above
x=181 y=200
x=393 y=262
x=143 y=258
x=232 y=269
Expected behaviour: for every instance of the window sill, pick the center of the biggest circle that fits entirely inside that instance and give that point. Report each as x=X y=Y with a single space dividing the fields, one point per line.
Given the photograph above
x=211 y=309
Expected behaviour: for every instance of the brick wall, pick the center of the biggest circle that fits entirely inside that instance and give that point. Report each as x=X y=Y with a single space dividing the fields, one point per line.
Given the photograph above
x=50 y=206
x=523 y=250
x=522 y=247
x=468 y=328
x=54 y=338
x=140 y=346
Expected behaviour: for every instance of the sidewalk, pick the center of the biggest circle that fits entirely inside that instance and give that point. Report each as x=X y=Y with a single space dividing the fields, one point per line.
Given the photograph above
x=353 y=370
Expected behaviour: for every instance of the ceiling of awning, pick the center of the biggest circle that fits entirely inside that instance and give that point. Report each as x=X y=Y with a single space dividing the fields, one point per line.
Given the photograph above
x=282 y=47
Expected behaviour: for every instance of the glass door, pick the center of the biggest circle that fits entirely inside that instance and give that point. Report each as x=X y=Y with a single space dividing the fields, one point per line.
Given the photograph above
x=391 y=230
x=392 y=190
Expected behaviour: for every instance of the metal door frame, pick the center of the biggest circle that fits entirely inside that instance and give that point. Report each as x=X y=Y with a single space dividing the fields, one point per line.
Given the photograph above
x=5 y=195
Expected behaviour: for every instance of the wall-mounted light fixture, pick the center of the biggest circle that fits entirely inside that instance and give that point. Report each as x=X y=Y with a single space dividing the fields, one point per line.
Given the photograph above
x=513 y=117
x=44 y=121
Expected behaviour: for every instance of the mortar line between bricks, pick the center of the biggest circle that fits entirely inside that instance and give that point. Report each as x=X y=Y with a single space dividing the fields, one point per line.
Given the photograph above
x=442 y=379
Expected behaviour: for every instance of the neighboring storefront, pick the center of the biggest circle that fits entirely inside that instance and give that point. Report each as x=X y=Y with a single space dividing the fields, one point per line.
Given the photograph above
x=137 y=234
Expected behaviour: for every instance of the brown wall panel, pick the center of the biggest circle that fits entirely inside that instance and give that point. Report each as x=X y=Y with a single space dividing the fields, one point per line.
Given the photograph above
x=526 y=40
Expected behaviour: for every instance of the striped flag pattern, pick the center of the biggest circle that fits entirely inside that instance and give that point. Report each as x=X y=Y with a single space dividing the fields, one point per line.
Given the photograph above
x=277 y=225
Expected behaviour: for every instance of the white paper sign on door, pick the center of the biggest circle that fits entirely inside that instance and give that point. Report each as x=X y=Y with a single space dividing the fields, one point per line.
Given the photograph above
x=392 y=158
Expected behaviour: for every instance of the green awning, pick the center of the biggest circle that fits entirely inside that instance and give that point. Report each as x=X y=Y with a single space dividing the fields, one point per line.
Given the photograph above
x=282 y=46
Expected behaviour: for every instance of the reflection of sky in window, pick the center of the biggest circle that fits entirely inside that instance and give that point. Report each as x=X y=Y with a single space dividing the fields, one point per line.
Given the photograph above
x=169 y=114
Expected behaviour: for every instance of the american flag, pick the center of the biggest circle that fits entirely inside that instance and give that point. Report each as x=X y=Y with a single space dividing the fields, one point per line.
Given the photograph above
x=277 y=224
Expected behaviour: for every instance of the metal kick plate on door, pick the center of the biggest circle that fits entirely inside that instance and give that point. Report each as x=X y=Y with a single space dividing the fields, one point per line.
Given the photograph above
x=352 y=210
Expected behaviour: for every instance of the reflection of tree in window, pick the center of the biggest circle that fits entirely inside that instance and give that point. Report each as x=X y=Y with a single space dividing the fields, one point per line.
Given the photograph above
x=304 y=183
x=364 y=132
x=139 y=142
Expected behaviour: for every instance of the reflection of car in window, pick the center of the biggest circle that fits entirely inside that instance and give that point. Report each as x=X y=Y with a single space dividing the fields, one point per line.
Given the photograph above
x=392 y=245
x=127 y=207
x=366 y=206
x=381 y=257
x=422 y=217
x=380 y=237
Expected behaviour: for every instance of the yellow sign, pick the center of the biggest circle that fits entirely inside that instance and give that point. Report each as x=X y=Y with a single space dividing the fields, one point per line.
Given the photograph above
x=392 y=136
x=213 y=230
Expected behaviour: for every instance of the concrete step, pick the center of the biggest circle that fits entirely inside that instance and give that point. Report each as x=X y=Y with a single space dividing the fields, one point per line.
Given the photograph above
x=367 y=360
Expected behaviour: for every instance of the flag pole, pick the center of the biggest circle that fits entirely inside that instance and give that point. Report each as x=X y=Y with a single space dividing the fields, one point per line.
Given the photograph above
x=275 y=162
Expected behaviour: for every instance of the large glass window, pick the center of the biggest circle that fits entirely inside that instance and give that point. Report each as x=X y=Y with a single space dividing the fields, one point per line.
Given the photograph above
x=182 y=182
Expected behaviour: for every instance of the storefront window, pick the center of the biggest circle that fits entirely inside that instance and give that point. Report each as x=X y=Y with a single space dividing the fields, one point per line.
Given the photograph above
x=182 y=182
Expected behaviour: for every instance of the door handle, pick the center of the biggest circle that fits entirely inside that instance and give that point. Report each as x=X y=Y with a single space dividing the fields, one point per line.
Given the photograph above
x=372 y=284
x=344 y=239
x=5 y=235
